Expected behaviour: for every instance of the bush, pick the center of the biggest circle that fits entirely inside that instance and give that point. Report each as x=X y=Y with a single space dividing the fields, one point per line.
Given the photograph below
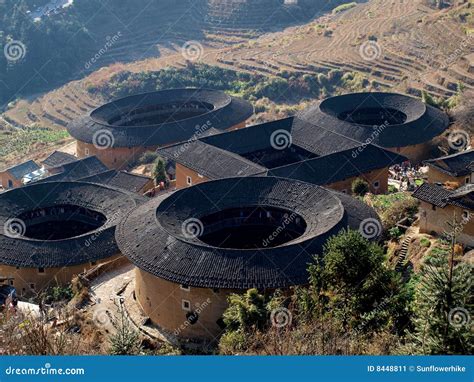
x=148 y=157
x=360 y=187
x=400 y=209
x=424 y=242
x=395 y=232
x=344 y=7
x=159 y=171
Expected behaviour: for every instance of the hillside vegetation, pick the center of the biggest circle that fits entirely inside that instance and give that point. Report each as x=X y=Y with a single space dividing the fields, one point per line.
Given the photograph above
x=381 y=45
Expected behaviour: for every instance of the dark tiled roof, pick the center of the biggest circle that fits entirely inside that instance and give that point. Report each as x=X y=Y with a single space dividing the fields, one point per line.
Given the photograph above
x=437 y=195
x=58 y=158
x=20 y=170
x=153 y=238
x=226 y=112
x=459 y=164
x=121 y=179
x=339 y=166
x=98 y=244
x=338 y=157
x=252 y=138
x=210 y=161
x=78 y=169
x=422 y=122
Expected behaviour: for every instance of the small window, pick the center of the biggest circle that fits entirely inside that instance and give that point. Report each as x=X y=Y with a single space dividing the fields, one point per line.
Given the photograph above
x=32 y=286
x=186 y=305
x=10 y=282
x=10 y=183
x=189 y=181
x=433 y=207
x=376 y=184
x=468 y=180
x=344 y=191
x=93 y=263
x=185 y=287
x=86 y=151
x=40 y=270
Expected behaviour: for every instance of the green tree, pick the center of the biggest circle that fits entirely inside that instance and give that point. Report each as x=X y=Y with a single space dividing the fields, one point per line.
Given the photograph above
x=126 y=340
x=159 y=171
x=246 y=311
x=360 y=187
x=443 y=305
x=353 y=273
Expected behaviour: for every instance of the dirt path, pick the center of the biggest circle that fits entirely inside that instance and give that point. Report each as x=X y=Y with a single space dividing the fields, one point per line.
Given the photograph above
x=104 y=290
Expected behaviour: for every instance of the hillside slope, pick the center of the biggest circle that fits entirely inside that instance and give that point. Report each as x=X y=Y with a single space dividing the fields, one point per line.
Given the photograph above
x=397 y=45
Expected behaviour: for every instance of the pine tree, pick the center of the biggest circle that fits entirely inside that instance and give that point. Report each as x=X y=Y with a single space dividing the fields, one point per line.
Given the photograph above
x=443 y=305
x=159 y=171
x=126 y=341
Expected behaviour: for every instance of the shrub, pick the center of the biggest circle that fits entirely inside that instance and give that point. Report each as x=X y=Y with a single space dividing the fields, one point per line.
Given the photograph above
x=395 y=232
x=424 y=242
x=148 y=157
x=400 y=209
x=159 y=170
x=344 y=7
x=360 y=187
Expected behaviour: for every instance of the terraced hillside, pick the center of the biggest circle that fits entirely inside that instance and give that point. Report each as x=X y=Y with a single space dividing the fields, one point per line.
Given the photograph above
x=401 y=45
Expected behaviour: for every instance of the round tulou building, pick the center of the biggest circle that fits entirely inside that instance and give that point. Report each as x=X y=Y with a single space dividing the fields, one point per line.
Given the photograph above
x=54 y=231
x=120 y=131
x=198 y=245
x=397 y=122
